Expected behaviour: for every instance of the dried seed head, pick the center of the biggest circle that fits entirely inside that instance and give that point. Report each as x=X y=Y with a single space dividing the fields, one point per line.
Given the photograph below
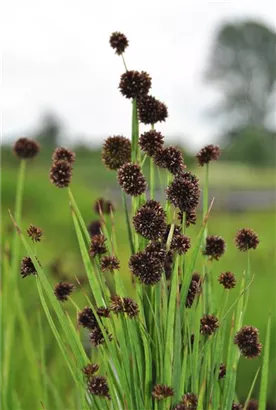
x=87 y=319
x=63 y=290
x=98 y=386
x=109 y=264
x=190 y=217
x=27 y=267
x=150 y=220
x=147 y=268
x=97 y=246
x=228 y=280
x=131 y=179
x=135 y=84
x=130 y=307
x=180 y=244
x=170 y=158
x=215 y=247
x=103 y=312
x=116 y=152
x=94 y=228
x=119 y=42
x=150 y=110
x=102 y=206
x=97 y=337
x=190 y=401
x=34 y=233
x=61 y=173
x=207 y=154
x=194 y=289
x=64 y=155
x=222 y=371
x=151 y=142
x=156 y=250
x=252 y=405
x=161 y=391
x=25 y=148
x=90 y=370
x=208 y=324
x=168 y=263
x=246 y=239
x=184 y=192
x=117 y=304
x=247 y=339
x=236 y=406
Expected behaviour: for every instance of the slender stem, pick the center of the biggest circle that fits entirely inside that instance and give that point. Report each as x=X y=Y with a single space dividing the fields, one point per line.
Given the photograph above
x=134 y=133
x=124 y=62
x=205 y=234
x=151 y=178
x=130 y=238
x=206 y=199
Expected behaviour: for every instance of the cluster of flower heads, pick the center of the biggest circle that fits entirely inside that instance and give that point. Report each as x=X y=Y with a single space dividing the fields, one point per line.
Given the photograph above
x=194 y=289
x=103 y=206
x=96 y=385
x=184 y=192
x=61 y=169
x=247 y=339
x=188 y=402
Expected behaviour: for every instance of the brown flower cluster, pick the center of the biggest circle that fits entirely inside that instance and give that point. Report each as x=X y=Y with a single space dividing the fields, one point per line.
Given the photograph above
x=61 y=169
x=247 y=339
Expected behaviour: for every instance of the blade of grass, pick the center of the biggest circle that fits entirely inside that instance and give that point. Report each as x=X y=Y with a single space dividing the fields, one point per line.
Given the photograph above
x=265 y=368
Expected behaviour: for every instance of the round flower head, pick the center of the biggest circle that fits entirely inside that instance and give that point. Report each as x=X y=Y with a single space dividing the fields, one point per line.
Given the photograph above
x=94 y=228
x=102 y=206
x=156 y=250
x=97 y=385
x=151 y=142
x=97 y=246
x=130 y=307
x=208 y=324
x=25 y=148
x=150 y=220
x=247 y=339
x=90 y=370
x=190 y=401
x=117 y=304
x=64 y=155
x=119 y=42
x=252 y=405
x=87 y=319
x=27 y=267
x=207 y=154
x=227 y=279
x=103 y=312
x=146 y=268
x=63 y=290
x=131 y=179
x=190 y=217
x=170 y=158
x=116 y=152
x=193 y=290
x=61 y=173
x=180 y=244
x=184 y=192
x=222 y=371
x=215 y=247
x=135 y=84
x=151 y=111
x=236 y=406
x=246 y=239
x=34 y=233
x=109 y=264
x=161 y=392
x=97 y=337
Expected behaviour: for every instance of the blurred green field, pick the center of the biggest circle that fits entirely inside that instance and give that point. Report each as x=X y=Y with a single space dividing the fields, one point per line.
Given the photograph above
x=47 y=207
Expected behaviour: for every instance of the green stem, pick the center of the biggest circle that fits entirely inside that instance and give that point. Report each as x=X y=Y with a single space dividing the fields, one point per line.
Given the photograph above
x=206 y=199
x=130 y=238
x=151 y=178
x=205 y=234
x=134 y=133
x=124 y=62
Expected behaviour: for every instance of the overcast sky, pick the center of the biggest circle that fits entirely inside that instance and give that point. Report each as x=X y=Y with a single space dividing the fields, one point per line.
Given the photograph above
x=57 y=58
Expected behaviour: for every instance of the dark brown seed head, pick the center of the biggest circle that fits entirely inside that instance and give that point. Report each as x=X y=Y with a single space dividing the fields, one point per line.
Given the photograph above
x=97 y=337
x=131 y=179
x=103 y=312
x=135 y=84
x=156 y=250
x=130 y=307
x=214 y=247
x=25 y=148
x=176 y=232
x=116 y=151
x=117 y=304
x=208 y=324
x=161 y=392
x=180 y=244
x=64 y=155
x=236 y=406
x=168 y=263
x=98 y=386
x=119 y=42
x=61 y=173
x=246 y=239
x=150 y=110
x=247 y=339
x=207 y=154
x=90 y=370
x=147 y=268
x=87 y=319
x=190 y=401
x=252 y=405
x=150 y=220
x=222 y=371
x=170 y=158
x=109 y=264
x=151 y=142
x=94 y=228
x=103 y=206
x=97 y=246
x=184 y=192
x=193 y=290
x=34 y=233
x=228 y=280
x=63 y=290
x=190 y=217
x=27 y=267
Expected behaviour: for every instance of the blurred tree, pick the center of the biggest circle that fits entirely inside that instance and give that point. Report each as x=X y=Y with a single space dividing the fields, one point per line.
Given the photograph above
x=49 y=132
x=243 y=66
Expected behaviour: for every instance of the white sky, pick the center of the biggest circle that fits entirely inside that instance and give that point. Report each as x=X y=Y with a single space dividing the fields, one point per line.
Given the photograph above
x=57 y=58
